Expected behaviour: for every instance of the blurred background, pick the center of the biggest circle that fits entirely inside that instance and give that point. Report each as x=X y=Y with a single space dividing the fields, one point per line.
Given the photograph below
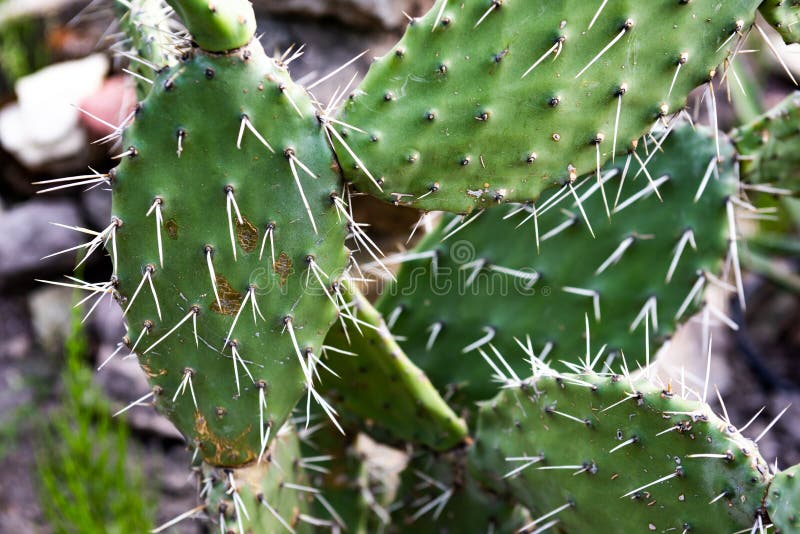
x=65 y=464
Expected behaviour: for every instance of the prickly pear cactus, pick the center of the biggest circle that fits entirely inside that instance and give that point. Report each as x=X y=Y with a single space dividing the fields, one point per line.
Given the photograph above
x=620 y=455
x=783 y=501
x=784 y=16
x=271 y=496
x=485 y=101
x=378 y=383
x=768 y=146
x=345 y=484
x=146 y=24
x=227 y=240
x=217 y=26
x=485 y=288
x=437 y=493
x=226 y=245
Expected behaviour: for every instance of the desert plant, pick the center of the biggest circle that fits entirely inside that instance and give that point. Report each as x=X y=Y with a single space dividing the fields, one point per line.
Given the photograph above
x=233 y=192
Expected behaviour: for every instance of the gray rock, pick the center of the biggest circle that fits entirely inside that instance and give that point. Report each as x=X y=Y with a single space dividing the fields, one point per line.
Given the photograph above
x=371 y=14
x=179 y=488
x=29 y=236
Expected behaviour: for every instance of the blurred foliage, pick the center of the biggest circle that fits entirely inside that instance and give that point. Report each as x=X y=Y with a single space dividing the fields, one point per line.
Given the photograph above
x=85 y=485
x=23 y=50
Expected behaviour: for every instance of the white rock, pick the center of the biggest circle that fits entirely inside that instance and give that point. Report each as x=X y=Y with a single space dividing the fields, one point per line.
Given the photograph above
x=42 y=126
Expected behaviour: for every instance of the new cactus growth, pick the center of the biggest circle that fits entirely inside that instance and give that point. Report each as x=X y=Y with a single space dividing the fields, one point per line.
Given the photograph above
x=231 y=207
x=217 y=26
x=488 y=101
x=783 y=501
x=465 y=293
x=148 y=28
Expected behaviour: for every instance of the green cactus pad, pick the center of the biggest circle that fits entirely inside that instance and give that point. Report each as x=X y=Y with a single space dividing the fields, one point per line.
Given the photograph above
x=619 y=455
x=448 y=120
x=383 y=387
x=486 y=285
x=217 y=26
x=264 y=497
x=438 y=494
x=783 y=501
x=769 y=146
x=784 y=16
x=240 y=211
x=345 y=484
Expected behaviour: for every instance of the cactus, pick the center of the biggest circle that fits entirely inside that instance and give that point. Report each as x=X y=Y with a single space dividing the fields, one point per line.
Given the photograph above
x=629 y=285
x=218 y=216
x=487 y=101
x=768 y=146
x=346 y=485
x=265 y=497
x=619 y=454
x=380 y=384
x=217 y=26
x=783 y=501
x=232 y=193
x=439 y=494
x=783 y=15
x=148 y=30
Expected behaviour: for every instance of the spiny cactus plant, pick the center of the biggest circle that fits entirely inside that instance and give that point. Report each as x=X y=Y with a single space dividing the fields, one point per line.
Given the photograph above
x=377 y=382
x=782 y=500
x=547 y=278
x=482 y=102
x=664 y=462
x=231 y=209
x=783 y=15
x=265 y=497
